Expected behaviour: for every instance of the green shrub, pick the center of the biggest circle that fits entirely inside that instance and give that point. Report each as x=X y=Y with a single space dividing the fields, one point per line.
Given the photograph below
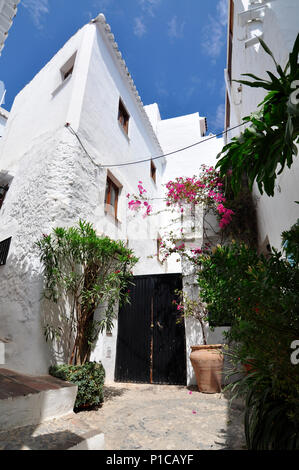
x=261 y=295
x=90 y=380
x=89 y=270
x=221 y=279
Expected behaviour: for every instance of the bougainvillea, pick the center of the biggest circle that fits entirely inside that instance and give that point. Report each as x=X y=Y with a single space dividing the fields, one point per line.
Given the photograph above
x=139 y=201
x=183 y=193
x=205 y=189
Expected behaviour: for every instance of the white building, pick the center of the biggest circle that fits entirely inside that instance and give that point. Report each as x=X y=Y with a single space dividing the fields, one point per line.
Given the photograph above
x=8 y=10
x=53 y=181
x=276 y=22
x=3 y=120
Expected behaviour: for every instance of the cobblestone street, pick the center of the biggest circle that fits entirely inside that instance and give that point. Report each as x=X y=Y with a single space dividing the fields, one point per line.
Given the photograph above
x=143 y=417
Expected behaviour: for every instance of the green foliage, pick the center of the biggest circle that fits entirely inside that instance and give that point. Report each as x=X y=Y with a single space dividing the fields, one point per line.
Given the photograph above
x=271 y=422
x=268 y=144
x=90 y=380
x=268 y=425
x=261 y=295
x=243 y=225
x=190 y=307
x=219 y=280
x=88 y=271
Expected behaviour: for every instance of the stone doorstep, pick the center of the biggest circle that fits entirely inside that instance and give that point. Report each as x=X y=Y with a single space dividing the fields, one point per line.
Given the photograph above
x=14 y=384
x=91 y=441
x=29 y=400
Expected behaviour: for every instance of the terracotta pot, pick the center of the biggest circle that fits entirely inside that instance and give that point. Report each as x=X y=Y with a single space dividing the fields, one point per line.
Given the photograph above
x=207 y=362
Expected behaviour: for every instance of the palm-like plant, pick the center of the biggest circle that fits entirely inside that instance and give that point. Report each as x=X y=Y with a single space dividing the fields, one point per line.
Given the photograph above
x=268 y=144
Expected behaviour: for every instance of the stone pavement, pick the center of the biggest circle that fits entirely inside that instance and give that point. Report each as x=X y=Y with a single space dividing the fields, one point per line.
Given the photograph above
x=143 y=417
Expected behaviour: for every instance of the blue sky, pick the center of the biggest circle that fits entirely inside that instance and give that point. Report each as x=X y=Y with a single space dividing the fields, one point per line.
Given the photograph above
x=175 y=49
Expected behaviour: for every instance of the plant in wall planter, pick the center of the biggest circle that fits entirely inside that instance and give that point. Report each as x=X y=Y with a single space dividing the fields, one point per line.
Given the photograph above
x=206 y=359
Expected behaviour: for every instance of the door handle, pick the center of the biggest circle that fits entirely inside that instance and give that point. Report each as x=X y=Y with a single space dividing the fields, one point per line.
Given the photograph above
x=159 y=325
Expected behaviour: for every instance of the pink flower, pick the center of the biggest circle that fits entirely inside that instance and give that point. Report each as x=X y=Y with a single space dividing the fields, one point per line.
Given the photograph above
x=134 y=205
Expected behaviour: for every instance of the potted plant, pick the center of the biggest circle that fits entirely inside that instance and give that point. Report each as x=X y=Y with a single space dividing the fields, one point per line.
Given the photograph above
x=206 y=359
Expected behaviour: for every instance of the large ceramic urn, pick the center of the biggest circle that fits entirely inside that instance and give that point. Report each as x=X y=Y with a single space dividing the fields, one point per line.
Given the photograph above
x=207 y=362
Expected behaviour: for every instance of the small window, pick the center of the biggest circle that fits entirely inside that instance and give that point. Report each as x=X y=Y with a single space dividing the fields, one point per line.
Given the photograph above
x=67 y=69
x=3 y=191
x=153 y=171
x=111 y=197
x=4 y=249
x=159 y=240
x=68 y=72
x=123 y=117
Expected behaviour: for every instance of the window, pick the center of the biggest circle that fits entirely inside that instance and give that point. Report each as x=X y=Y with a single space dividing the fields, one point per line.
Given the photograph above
x=3 y=191
x=4 y=249
x=111 y=197
x=123 y=117
x=67 y=70
x=153 y=171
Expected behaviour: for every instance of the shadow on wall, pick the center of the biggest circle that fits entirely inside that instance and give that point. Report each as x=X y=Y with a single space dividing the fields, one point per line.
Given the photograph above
x=20 y=312
x=24 y=438
x=57 y=330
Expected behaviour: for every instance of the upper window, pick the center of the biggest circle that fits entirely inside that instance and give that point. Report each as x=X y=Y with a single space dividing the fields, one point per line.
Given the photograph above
x=153 y=171
x=111 y=197
x=123 y=117
x=3 y=191
x=67 y=69
x=4 y=249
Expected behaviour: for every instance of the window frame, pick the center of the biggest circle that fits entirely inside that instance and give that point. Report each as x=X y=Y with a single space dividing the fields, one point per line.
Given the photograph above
x=153 y=170
x=5 y=188
x=67 y=69
x=123 y=114
x=111 y=184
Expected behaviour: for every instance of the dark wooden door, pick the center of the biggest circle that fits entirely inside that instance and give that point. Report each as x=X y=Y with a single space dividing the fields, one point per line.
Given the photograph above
x=151 y=342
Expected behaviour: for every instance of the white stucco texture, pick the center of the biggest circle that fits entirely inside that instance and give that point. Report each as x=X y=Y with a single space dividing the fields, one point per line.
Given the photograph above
x=279 y=28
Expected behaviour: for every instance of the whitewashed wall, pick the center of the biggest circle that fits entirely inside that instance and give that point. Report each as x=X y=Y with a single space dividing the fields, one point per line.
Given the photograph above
x=55 y=183
x=279 y=27
x=174 y=134
x=3 y=120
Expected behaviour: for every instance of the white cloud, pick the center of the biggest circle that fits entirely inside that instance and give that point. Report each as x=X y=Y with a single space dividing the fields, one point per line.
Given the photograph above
x=161 y=89
x=175 y=30
x=222 y=9
x=102 y=4
x=36 y=8
x=149 y=6
x=214 y=32
x=139 y=27
x=219 y=118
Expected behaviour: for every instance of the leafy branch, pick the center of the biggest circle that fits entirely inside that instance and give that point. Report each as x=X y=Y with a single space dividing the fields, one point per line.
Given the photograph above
x=269 y=143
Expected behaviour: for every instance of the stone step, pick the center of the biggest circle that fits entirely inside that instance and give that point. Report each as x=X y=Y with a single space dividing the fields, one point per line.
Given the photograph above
x=27 y=400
